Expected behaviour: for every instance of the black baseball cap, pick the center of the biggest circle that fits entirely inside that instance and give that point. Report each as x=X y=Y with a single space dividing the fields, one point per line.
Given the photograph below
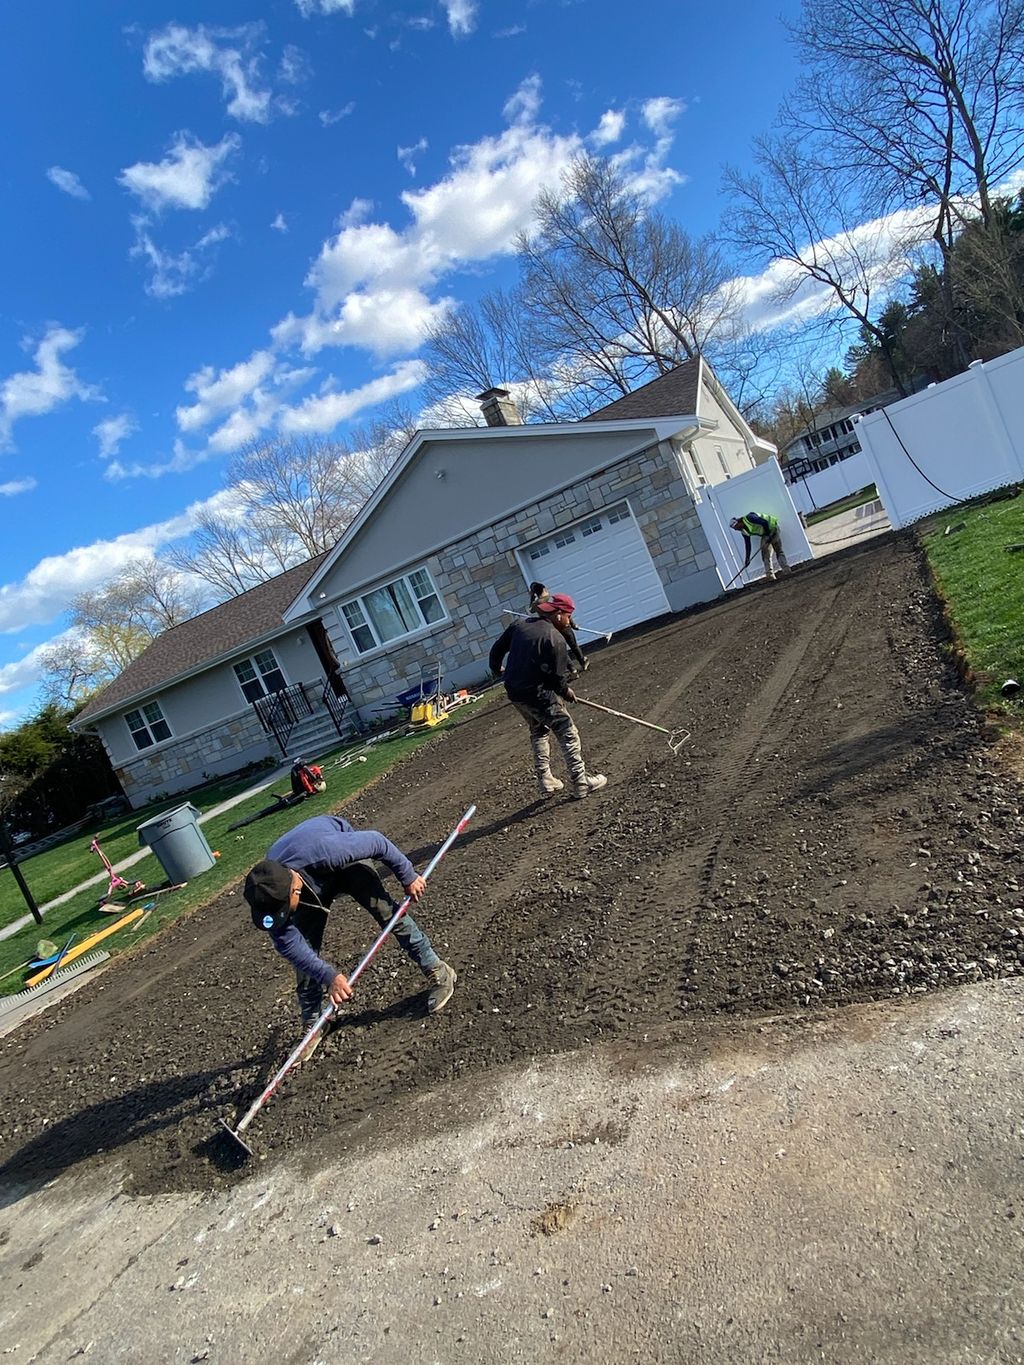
x=268 y=890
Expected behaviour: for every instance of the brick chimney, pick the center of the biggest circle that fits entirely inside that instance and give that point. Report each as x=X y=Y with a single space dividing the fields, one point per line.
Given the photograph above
x=498 y=408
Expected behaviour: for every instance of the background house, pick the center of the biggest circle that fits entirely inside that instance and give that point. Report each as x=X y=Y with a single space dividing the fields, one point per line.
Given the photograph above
x=626 y=510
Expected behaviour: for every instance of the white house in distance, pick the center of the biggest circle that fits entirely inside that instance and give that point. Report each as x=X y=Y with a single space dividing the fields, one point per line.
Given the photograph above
x=622 y=510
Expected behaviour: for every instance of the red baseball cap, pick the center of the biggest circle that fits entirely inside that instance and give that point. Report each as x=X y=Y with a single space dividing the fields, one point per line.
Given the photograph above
x=559 y=602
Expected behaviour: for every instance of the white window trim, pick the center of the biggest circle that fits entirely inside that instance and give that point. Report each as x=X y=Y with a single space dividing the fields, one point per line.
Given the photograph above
x=428 y=628
x=251 y=659
x=157 y=743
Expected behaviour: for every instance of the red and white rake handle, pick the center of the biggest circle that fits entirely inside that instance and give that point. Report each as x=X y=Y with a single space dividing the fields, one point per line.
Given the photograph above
x=330 y=1010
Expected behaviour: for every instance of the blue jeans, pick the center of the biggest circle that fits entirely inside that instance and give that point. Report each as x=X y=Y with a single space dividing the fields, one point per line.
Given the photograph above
x=362 y=883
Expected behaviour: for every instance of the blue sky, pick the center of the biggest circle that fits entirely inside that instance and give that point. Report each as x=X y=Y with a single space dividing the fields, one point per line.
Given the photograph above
x=228 y=219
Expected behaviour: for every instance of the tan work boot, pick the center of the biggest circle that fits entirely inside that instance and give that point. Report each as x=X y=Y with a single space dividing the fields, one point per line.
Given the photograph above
x=550 y=785
x=594 y=783
x=442 y=986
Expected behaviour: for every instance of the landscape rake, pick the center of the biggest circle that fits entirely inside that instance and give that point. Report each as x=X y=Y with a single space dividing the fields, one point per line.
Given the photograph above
x=676 y=738
x=330 y=1010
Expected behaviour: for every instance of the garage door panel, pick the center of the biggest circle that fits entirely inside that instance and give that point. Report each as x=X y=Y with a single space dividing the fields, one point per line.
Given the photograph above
x=608 y=572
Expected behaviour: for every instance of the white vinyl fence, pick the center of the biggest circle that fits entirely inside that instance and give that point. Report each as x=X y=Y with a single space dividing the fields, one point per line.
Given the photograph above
x=950 y=442
x=763 y=490
x=829 y=485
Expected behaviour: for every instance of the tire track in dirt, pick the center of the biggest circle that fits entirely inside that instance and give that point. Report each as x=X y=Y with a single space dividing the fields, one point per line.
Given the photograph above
x=569 y=922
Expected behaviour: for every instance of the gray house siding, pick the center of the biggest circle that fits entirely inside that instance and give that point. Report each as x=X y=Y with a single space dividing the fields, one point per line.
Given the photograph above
x=479 y=574
x=483 y=479
x=214 y=730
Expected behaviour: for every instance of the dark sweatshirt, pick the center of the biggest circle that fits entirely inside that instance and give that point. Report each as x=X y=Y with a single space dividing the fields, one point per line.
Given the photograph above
x=538 y=657
x=319 y=849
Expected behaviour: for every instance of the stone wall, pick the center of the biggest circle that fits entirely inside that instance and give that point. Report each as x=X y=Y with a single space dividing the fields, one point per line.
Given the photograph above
x=479 y=576
x=183 y=764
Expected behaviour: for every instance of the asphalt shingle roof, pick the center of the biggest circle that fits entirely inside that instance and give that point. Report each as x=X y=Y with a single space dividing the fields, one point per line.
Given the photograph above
x=211 y=635
x=233 y=624
x=670 y=395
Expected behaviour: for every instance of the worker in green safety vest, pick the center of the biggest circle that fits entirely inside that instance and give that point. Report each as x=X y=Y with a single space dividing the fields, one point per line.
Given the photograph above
x=767 y=528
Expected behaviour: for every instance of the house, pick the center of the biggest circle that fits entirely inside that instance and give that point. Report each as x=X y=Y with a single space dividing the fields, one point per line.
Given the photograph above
x=621 y=510
x=829 y=438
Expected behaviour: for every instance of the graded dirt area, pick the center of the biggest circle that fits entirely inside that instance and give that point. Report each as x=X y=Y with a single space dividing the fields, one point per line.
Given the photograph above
x=836 y=830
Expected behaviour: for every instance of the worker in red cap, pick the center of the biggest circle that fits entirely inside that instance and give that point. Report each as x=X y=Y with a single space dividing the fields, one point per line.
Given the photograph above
x=537 y=679
x=538 y=594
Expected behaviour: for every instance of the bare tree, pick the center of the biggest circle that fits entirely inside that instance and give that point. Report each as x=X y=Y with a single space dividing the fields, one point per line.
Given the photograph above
x=611 y=293
x=113 y=623
x=794 y=213
x=290 y=499
x=914 y=104
x=73 y=671
x=918 y=100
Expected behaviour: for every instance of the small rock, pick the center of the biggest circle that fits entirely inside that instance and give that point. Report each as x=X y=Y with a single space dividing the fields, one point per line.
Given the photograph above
x=334 y=1230
x=375 y=1240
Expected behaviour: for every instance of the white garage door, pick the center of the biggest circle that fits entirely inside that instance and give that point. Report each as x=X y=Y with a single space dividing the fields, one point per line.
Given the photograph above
x=604 y=565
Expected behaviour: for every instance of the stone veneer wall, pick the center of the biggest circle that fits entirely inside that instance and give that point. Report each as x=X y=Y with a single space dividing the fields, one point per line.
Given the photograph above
x=187 y=763
x=479 y=576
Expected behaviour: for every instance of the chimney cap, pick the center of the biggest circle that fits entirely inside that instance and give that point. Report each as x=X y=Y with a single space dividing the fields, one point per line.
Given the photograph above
x=492 y=393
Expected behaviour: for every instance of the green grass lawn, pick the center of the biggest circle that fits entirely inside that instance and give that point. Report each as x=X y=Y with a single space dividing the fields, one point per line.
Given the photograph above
x=983 y=586
x=858 y=499
x=51 y=873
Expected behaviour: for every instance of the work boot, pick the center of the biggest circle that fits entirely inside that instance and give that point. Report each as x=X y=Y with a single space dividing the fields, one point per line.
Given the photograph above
x=550 y=785
x=593 y=783
x=442 y=981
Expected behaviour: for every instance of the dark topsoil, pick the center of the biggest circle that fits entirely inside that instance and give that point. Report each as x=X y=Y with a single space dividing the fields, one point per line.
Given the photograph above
x=836 y=830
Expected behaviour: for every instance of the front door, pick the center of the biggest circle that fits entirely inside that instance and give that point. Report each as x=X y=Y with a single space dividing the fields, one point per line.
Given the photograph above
x=325 y=653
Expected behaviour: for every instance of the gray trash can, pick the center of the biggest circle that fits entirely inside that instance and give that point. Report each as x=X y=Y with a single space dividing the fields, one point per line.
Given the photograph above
x=178 y=842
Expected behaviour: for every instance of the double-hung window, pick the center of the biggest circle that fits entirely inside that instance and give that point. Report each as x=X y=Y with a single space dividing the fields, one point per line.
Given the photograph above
x=147 y=725
x=259 y=675
x=398 y=608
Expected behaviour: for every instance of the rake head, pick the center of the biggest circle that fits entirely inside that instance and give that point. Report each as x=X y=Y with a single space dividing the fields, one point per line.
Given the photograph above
x=677 y=738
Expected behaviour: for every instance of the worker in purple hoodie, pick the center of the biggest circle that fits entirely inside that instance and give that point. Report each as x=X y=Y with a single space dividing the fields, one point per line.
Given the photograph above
x=290 y=893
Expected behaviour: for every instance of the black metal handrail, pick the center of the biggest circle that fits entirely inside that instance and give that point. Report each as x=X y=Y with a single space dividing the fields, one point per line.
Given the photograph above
x=280 y=712
x=336 y=707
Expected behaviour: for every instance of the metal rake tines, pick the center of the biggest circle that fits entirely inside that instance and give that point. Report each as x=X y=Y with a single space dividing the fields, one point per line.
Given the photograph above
x=677 y=738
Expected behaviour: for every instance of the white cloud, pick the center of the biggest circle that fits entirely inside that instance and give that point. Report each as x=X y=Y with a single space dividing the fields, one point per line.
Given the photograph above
x=327 y=410
x=174 y=273
x=329 y=117
x=279 y=224
x=112 y=431
x=228 y=53
x=47 y=590
x=218 y=392
x=186 y=178
x=512 y=32
x=407 y=155
x=523 y=105
x=68 y=182
x=371 y=280
x=32 y=393
x=181 y=460
x=610 y=128
x=307 y=8
x=879 y=251
x=295 y=67
x=16 y=486
x=27 y=671
x=660 y=113
x=461 y=16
